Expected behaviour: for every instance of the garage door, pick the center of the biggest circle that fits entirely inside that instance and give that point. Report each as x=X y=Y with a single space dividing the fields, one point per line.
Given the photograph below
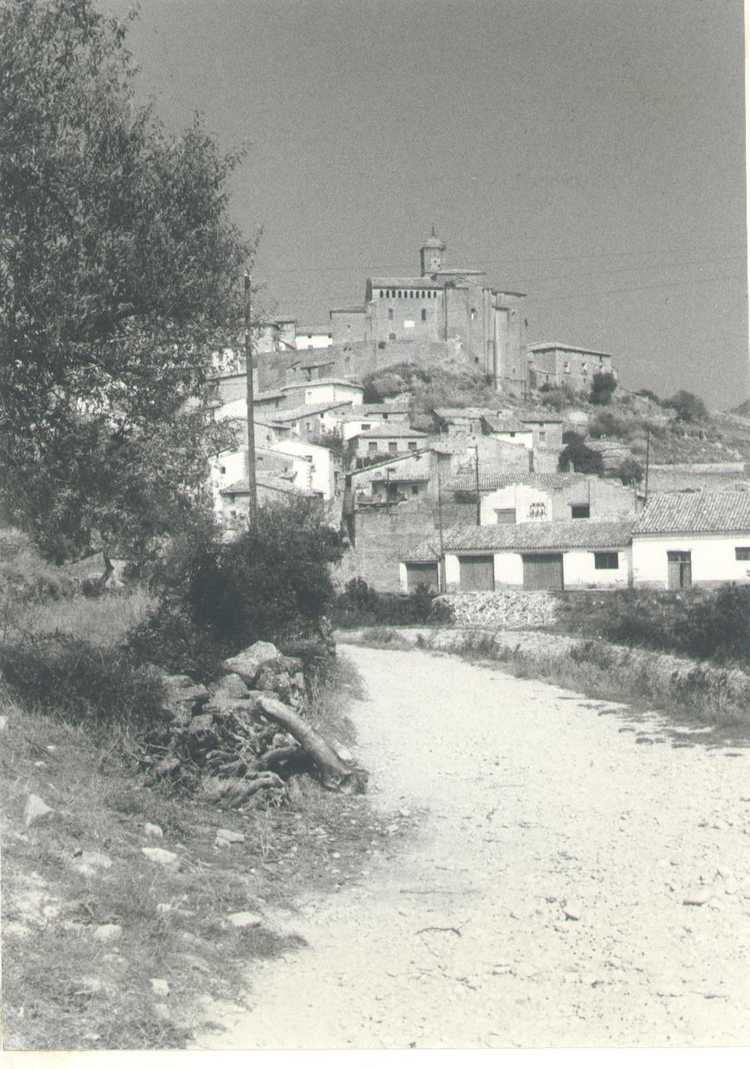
x=543 y=571
x=477 y=573
x=421 y=573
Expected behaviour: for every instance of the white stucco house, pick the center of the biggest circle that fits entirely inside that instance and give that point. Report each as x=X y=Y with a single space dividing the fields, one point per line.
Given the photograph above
x=686 y=539
x=562 y=555
x=317 y=468
x=320 y=391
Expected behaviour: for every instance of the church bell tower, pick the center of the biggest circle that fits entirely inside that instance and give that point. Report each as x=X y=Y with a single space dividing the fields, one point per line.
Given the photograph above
x=432 y=254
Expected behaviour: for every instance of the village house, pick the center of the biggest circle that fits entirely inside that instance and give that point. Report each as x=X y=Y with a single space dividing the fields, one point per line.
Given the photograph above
x=317 y=468
x=692 y=539
x=547 y=430
x=313 y=422
x=365 y=417
x=508 y=428
x=410 y=476
x=516 y=497
x=313 y=338
x=557 y=364
x=321 y=391
x=391 y=440
x=567 y=555
x=270 y=488
x=311 y=367
x=469 y=420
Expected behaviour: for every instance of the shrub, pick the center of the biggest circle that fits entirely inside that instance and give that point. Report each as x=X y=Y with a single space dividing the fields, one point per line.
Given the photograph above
x=603 y=386
x=272 y=583
x=578 y=454
x=688 y=406
x=629 y=472
x=80 y=682
x=361 y=606
x=649 y=394
x=606 y=424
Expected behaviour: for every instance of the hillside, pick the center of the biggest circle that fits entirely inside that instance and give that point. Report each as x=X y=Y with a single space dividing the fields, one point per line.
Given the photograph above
x=632 y=418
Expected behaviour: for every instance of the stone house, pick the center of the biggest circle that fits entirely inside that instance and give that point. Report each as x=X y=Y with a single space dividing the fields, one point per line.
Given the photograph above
x=692 y=539
x=311 y=422
x=410 y=476
x=567 y=555
x=447 y=420
x=546 y=428
x=391 y=440
x=557 y=364
x=365 y=417
x=508 y=428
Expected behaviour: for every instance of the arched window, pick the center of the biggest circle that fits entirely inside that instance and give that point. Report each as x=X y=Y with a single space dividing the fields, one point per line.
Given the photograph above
x=399 y=293
x=390 y=313
x=424 y=315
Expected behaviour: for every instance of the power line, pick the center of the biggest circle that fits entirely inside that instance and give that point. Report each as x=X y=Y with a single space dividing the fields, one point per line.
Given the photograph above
x=637 y=289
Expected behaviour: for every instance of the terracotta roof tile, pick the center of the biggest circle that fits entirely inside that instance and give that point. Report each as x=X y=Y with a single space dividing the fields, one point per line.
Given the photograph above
x=695 y=512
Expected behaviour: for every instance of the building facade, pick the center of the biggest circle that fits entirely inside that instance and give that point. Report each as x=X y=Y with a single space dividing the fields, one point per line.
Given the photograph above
x=555 y=364
x=442 y=304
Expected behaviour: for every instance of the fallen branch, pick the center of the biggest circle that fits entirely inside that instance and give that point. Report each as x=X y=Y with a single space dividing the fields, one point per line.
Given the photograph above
x=335 y=774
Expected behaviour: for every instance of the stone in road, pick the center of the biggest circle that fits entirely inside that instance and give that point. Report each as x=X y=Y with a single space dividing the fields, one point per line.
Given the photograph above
x=542 y=902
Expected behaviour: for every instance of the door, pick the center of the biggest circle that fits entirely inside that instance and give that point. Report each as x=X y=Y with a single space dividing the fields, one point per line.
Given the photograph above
x=543 y=571
x=679 y=569
x=423 y=573
x=477 y=573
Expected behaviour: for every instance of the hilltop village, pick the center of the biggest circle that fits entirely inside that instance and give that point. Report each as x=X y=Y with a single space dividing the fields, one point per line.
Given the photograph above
x=454 y=453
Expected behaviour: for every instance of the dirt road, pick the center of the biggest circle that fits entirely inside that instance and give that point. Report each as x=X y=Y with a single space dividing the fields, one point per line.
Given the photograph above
x=541 y=900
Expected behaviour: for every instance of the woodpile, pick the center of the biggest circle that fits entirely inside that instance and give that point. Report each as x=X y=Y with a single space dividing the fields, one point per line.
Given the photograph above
x=245 y=735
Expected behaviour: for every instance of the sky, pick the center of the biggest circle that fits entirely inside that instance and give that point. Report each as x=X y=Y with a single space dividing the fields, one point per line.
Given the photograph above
x=590 y=153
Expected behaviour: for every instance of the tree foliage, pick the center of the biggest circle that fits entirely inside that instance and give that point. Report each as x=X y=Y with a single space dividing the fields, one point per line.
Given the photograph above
x=117 y=272
x=272 y=583
x=577 y=455
x=603 y=386
x=689 y=407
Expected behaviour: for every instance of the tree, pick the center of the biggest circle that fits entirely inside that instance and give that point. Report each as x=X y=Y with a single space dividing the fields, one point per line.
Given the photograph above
x=118 y=267
x=603 y=386
x=630 y=472
x=577 y=455
x=688 y=406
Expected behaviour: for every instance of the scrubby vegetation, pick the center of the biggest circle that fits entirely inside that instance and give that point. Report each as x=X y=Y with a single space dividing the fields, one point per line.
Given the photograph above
x=707 y=624
x=360 y=605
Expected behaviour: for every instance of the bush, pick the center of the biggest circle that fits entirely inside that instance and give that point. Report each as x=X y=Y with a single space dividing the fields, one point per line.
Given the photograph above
x=272 y=583
x=688 y=406
x=629 y=472
x=577 y=453
x=607 y=425
x=361 y=606
x=82 y=683
x=603 y=387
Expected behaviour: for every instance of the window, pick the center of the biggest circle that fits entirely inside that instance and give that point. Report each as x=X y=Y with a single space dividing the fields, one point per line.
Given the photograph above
x=308 y=425
x=411 y=293
x=391 y=336
x=366 y=426
x=415 y=490
x=505 y=515
x=473 y=313
x=566 y=367
x=538 y=510
x=399 y=293
x=223 y=471
x=390 y=313
x=606 y=560
x=372 y=448
x=411 y=446
x=381 y=293
x=392 y=447
x=740 y=552
x=542 y=436
x=580 y=512
x=424 y=315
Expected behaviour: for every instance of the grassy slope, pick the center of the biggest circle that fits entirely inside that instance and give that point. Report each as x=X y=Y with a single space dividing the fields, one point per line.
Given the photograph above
x=62 y=988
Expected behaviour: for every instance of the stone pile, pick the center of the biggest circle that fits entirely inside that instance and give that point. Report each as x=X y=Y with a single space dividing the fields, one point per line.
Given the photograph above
x=244 y=735
x=498 y=609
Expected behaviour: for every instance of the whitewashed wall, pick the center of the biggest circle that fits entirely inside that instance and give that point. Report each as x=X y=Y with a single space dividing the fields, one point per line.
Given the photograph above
x=712 y=558
x=516 y=497
x=579 y=570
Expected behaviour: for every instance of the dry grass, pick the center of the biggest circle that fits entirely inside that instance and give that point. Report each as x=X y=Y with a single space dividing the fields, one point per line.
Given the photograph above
x=102 y=621
x=64 y=990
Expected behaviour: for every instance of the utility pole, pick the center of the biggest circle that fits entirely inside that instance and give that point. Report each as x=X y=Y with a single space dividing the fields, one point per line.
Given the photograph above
x=252 y=507
x=441 y=562
x=476 y=485
x=648 y=458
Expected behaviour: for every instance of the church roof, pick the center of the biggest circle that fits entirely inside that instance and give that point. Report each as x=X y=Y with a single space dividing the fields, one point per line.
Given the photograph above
x=433 y=241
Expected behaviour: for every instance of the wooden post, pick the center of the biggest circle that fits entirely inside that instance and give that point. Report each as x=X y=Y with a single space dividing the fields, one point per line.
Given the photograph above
x=252 y=506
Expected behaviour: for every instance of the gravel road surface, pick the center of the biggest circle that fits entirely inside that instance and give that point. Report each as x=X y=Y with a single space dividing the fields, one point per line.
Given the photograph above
x=578 y=874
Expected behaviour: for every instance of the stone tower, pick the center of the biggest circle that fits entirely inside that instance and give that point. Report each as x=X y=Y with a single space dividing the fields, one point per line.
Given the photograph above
x=432 y=254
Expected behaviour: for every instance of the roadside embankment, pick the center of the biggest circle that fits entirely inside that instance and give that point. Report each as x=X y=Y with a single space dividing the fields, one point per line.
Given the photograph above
x=601 y=669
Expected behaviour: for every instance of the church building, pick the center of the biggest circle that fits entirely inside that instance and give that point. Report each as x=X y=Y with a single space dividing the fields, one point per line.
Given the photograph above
x=452 y=305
